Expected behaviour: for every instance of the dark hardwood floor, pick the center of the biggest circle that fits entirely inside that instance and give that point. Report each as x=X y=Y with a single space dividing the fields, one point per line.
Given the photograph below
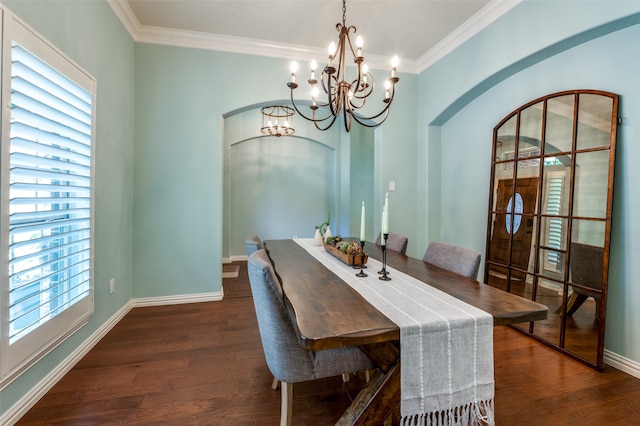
x=202 y=364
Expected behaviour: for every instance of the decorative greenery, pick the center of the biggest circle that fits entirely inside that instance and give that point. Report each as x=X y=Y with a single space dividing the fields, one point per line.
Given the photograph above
x=323 y=226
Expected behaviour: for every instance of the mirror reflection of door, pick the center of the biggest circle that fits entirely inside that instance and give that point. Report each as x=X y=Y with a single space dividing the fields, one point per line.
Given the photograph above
x=549 y=219
x=512 y=233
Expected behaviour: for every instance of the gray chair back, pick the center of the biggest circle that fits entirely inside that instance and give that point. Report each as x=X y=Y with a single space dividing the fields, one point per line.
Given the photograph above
x=461 y=260
x=253 y=243
x=586 y=267
x=287 y=360
x=395 y=242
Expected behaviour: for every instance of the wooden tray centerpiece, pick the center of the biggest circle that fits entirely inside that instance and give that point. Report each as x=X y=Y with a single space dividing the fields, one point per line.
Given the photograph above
x=348 y=252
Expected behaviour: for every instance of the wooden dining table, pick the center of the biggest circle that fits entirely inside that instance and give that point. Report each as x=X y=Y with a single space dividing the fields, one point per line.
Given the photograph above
x=327 y=313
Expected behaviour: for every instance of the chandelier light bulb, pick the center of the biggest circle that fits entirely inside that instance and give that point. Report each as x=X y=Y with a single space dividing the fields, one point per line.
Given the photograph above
x=387 y=86
x=365 y=70
x=332 y=49
x=314 y=65
x=394 y=64
x=359 y=43
x=294 y=69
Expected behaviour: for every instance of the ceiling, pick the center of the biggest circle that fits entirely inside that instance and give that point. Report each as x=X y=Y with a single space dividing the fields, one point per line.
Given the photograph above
x=411 y=29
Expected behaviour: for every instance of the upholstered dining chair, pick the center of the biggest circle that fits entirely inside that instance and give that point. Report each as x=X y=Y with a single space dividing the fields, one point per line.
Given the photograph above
x=462 y=260
x=253 y=243
x=396 y=242
x=287 y=360
x=586 y=263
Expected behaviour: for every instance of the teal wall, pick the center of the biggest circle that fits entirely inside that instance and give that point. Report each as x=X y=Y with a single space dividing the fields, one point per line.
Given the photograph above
x=467 y=93
x=278 y=187
x=162 y=148
x=182 y=96
x=361 y=181
x=91 y=35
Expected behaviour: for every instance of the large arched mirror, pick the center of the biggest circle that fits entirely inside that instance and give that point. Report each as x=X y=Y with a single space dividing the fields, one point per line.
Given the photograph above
x=549 y=221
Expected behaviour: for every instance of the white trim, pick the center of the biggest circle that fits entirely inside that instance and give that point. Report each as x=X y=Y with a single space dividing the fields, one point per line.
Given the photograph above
x=180 y=38
x=482 y=19
x=177 y=299
x=621 y=363
x=123 y=11
x=28 y=400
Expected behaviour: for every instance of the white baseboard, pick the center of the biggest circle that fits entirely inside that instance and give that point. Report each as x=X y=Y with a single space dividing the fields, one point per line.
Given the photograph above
x=178 y=299
x=24 y=404
x=238 y=258
x=622 y=363
x=20 y=408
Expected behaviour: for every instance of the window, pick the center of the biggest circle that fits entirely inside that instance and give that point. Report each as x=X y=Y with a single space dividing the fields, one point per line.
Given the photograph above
x=47 y=218
x=554 y=229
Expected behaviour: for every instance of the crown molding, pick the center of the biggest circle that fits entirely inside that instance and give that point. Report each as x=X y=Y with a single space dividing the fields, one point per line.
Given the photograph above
x=482 y=19
x=123 y=11
x=191 y=39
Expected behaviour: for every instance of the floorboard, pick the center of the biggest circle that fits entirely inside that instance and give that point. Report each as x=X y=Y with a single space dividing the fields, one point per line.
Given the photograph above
x=202 y=364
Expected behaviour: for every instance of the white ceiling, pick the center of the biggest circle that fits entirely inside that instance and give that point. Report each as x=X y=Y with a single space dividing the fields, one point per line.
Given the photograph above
x=416 y=30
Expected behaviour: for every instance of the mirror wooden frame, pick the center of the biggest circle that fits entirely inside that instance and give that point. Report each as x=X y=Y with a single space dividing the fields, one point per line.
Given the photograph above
x=549 y=215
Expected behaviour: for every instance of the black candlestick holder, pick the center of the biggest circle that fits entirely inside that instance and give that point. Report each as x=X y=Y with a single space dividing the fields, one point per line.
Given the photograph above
x=384 y=274
x=362 y=265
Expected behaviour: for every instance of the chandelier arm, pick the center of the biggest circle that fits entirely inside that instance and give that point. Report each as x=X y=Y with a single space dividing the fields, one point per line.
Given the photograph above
x=316 y=122
x=361 y=94
x=385 y=111
x=358 y=61
x=331 y=96
x=347 y=114
x=365 y=121
x=295 y=106
x=325 y=85
x=347 y=111
x=352 y=103
x=344 y=34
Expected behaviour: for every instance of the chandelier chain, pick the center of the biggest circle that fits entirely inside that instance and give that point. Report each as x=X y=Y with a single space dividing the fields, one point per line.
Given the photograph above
x=344 y=13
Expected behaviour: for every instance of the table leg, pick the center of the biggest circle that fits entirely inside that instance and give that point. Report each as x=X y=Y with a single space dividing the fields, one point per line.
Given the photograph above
x=377 y=400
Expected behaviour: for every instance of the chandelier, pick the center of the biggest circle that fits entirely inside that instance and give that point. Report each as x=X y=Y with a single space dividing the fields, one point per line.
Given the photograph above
x=279 y=120
x=343 y=96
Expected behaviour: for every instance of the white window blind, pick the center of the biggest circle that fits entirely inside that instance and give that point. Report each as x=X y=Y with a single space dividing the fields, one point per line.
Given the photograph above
x=554 y=231
x=49 y=271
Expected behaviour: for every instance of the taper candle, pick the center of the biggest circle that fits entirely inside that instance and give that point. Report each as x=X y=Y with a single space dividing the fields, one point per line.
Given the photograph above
x=362 y=223
x=385 y=223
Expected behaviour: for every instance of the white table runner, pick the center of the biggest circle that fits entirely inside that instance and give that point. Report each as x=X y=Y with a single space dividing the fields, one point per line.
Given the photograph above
x=446 y=356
